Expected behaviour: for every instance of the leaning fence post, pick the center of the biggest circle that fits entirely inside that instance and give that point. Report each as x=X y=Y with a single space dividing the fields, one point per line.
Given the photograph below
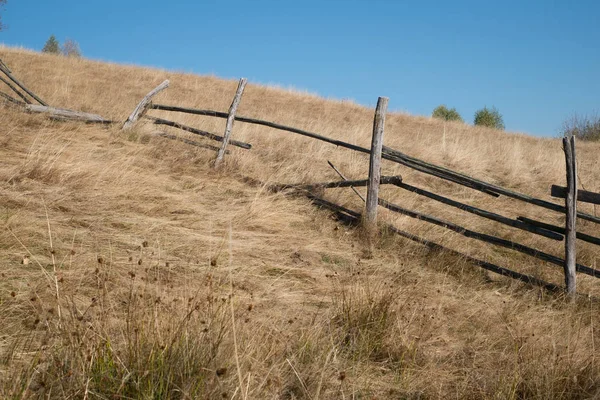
x=143 y=105
x=571 y=215
x=230 y=120
x=375 y=164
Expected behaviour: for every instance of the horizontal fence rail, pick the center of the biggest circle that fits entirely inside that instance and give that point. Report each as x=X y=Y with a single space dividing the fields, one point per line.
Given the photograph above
x=160 y=121
x=482 y=213
x=582 y=195
x=487 y=238
x=561 y=230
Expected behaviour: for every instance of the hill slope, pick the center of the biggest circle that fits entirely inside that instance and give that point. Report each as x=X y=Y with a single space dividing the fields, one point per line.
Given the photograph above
x=131 y=268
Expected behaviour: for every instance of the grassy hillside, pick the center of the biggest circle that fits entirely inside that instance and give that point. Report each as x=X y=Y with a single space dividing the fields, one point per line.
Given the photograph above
x=131 y=269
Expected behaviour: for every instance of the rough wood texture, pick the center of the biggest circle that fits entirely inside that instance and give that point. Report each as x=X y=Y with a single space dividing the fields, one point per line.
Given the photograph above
x=482 y=213
x=385 y=180
x=143 y=105
x=582 y=195
x=7 y=72
x=187 y=141
x=14 y=89
x=397 y=157
x=230 y=120
x=64 y=114
x=487 y=238
x=554 y=228
x=11 y=99
x=160 y=121
x=375 y=164
x=571 y=220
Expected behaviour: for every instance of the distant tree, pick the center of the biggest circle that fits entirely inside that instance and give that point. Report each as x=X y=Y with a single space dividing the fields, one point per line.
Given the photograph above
x=2 y=4
x=71 y=49
x=447 y=114
x=583 y=127
x=490 y=118
x=51 y=46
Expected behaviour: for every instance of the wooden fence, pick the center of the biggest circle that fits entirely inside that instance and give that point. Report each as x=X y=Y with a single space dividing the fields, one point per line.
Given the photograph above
x=377 y=153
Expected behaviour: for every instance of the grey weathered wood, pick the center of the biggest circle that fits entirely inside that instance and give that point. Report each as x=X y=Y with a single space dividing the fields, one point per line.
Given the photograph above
x=397 y=157
x=554 y=228
x=375 y=164
x=482 y=213
x=487 y=238
x=160 y=121
x=230 y=120
x=187 y=141
x=571 y=216
x=65 y=114
x=11 y=99
x=143 y=105
x=7 y=72
x=14 y=89
x=582 y=195
x=344 y=178
x=384 y=180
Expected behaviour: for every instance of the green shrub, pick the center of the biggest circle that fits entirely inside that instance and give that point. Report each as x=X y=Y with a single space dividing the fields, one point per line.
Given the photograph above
x=490 y=118
x=447 y=114
x=52 y=46
x=582 y=127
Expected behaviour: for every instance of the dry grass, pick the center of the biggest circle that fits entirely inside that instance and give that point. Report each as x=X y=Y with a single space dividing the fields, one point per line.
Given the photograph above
x=131 y=269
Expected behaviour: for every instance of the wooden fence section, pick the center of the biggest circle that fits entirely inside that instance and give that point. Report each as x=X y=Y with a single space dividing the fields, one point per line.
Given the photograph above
x=379 y=152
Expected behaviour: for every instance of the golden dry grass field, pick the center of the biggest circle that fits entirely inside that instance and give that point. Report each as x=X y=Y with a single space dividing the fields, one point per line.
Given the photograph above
x=131 y=269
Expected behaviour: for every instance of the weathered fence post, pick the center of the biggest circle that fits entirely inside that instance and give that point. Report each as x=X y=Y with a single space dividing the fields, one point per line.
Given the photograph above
x=571 y=215
x=230 y=120
x=375 y=164
x=143 y=105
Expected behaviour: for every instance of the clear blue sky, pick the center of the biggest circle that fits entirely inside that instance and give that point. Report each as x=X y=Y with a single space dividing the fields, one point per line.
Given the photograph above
x=537 y=61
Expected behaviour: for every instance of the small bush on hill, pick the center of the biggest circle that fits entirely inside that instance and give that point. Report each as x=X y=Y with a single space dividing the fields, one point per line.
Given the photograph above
x=52 y=46
x=582 y=127
x=447 y=114
x=489 y=117
x=71 y=49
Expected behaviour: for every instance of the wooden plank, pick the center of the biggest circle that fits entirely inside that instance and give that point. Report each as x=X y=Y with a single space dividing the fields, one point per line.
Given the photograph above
x=187 y=141
x=66 y=114
x=160 y=121
x=487 y=238
x=571 y=216
x=11 y=99
x=582 y=195
x=397 y=157
x=461 y=179
x=7 y=72
x=14 y=89
x=230 y=120
x=561 y=230
x=375 y=164
x=143 y=105
x=482 y=213
x=384 y=180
